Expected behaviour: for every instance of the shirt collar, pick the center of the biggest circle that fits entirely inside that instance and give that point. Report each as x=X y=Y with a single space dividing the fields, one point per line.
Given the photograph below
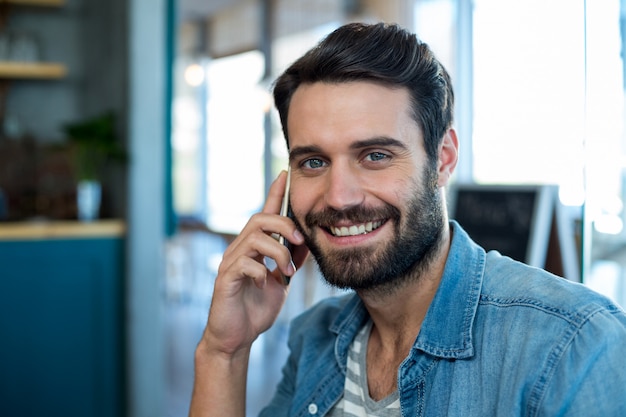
x=447 y=328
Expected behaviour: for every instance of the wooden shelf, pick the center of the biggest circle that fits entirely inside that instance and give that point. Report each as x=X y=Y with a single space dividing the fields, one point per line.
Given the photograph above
x=38 y=230
x=48 y=3
x=27 y=70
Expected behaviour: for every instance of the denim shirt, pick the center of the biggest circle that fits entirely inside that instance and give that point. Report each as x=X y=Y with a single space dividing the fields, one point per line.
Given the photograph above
x=499 y=339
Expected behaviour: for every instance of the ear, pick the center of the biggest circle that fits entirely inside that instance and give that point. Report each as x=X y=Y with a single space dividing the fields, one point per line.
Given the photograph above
x=448 y=157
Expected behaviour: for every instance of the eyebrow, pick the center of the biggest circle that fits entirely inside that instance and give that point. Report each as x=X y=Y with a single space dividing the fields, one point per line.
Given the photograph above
x=378 y=141
x=360 y=144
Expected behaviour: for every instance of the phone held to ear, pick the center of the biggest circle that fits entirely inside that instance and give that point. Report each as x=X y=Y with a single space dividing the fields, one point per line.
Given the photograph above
x=285 y=210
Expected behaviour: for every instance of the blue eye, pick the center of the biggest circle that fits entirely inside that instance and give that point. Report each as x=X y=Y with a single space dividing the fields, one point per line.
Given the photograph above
x=376 y=156
x=313 y=163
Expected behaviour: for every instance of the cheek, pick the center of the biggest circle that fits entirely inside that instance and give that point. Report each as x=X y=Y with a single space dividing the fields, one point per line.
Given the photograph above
x=301 y=202
x=307 y=194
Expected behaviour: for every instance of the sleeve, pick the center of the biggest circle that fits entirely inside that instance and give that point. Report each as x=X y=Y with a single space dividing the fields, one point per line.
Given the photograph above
x=281 y=402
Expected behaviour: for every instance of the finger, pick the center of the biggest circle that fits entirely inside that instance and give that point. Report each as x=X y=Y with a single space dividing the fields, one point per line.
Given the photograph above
x=297 y=257
x=257 y=246
x=240 y=270
x=264 y=224
x=299 y=254
x=253 y=270
x=275 y=195
x=259 y=222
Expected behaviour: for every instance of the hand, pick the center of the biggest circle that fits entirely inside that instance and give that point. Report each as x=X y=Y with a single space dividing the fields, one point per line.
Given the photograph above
x=247 y=296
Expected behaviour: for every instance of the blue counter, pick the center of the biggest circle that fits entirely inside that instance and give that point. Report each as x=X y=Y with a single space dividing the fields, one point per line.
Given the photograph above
x=61 y=319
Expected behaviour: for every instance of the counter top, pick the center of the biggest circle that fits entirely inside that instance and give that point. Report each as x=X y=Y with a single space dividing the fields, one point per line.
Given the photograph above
x=38 y=230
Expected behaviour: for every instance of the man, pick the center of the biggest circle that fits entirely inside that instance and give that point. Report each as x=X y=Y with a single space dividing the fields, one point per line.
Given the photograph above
x=435 y=326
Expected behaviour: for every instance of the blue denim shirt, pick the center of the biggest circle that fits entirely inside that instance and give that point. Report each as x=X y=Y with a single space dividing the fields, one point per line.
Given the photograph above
x=499 y=339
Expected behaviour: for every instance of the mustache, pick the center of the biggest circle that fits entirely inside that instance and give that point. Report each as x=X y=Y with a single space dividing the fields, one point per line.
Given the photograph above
x=357 y=214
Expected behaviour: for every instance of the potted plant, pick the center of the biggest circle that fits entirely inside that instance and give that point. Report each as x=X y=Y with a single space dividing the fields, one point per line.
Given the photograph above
x=94 y=144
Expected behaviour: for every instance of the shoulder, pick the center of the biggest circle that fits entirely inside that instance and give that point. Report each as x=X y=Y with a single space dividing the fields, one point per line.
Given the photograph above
x=514 y=284
x=569 y=339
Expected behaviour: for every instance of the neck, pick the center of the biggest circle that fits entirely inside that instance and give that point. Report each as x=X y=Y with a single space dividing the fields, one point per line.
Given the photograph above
x=398 y=313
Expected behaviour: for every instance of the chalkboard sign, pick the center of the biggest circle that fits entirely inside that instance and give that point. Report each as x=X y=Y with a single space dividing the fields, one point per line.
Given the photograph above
x=514 y=220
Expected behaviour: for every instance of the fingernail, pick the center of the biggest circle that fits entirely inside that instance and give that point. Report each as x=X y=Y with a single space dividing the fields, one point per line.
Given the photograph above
x=298 y=235
x=291 y=269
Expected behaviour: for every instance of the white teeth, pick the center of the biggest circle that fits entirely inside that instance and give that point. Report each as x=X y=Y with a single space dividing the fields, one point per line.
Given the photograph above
x=354 y=230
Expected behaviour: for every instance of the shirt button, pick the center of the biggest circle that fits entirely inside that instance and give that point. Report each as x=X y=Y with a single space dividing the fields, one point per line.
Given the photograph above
x=312 y=408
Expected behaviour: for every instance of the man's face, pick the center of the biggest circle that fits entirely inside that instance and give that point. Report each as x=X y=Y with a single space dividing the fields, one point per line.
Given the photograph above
x=363 y=191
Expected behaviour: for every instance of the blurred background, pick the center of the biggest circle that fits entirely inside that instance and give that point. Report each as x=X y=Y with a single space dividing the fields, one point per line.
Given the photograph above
x=165 y=105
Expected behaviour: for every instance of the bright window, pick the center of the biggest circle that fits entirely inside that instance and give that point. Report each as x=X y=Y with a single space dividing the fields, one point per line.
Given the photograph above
x=529 y=87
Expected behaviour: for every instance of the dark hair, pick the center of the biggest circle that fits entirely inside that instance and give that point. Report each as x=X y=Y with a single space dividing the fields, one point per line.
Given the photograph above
x=379 y=53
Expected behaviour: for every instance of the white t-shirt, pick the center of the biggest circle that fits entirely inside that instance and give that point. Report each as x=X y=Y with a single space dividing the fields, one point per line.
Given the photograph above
x=356 y=401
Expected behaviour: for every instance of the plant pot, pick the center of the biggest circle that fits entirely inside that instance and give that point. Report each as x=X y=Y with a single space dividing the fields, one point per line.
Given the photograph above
x=88 y=195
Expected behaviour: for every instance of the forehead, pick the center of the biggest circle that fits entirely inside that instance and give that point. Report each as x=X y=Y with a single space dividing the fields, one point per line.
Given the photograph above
x=349 y=111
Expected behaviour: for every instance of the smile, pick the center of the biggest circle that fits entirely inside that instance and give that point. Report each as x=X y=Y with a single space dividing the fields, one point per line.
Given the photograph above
x=356 y=229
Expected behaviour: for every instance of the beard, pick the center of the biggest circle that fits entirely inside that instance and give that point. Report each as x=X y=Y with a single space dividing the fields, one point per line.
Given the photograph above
x=387 y=267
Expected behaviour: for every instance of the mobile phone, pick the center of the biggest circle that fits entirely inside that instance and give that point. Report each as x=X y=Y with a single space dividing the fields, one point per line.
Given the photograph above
x=285 y=210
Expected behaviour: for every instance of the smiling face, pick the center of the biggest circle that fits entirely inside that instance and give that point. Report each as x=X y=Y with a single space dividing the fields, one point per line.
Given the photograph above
x=363 y=191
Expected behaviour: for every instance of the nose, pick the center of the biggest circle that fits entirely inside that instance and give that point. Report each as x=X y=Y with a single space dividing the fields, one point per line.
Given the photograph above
x=343 y=188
